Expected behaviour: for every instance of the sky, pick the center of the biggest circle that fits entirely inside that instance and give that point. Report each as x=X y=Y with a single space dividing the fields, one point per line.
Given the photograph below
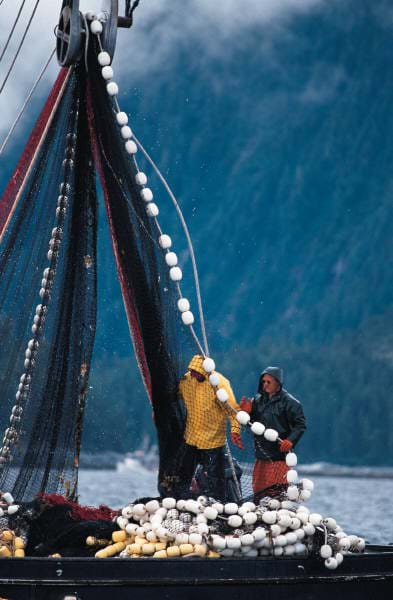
x=161 y=26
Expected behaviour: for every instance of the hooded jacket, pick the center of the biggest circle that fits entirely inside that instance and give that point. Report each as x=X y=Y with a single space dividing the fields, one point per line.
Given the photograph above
x=281 y=412
x=207 y=418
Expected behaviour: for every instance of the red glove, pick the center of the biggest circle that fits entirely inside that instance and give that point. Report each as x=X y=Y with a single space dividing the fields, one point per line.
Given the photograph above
x=237 y=440
x=245 y=404
x=286 y=446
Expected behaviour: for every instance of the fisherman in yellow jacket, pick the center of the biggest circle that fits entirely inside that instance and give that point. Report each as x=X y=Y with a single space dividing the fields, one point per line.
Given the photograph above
x=205 y=430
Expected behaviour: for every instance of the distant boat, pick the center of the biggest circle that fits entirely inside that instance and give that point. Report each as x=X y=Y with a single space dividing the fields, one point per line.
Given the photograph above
x=139 y=460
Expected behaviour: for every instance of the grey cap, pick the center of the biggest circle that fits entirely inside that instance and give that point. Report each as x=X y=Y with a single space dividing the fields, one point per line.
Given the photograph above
x=275 y=372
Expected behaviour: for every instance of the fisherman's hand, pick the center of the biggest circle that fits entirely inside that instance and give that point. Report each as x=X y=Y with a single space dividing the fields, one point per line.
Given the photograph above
x=286 y=446
x=237 y=440
x=245 y=404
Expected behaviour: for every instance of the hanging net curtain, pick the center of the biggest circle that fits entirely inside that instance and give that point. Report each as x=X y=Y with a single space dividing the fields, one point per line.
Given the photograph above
x=162 y=343
x=44 y=385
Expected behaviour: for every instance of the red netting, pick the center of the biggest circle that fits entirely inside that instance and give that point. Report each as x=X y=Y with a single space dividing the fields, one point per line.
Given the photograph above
x=78 y=512
x=10 y=195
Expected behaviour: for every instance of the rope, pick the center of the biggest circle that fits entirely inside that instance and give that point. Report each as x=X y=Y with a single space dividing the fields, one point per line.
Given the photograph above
x=12 y=30
x=15 y=123
x=20 y=46
x=189 y=242
x=87 y=37
x=154 y=241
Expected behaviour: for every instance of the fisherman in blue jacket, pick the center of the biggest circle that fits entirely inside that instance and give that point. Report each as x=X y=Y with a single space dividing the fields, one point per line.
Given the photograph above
x=277 y=409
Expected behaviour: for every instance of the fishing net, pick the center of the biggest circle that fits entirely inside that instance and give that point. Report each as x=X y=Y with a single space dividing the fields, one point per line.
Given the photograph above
x=50 y=524
x=162 y=343
x=47 y=302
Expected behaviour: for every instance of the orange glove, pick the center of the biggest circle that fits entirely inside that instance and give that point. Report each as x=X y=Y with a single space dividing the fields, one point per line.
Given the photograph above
x=286 y=446
x=237 y=440
x=245 y=404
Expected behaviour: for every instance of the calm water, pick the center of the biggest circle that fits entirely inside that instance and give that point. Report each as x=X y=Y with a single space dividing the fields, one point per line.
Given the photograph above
x=360 y=505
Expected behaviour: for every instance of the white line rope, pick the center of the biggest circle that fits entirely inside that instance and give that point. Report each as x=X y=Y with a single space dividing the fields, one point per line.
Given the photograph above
x=189 y=242
x=20 y=46
x=154 y=241
x=12 y=30
x=15 y=123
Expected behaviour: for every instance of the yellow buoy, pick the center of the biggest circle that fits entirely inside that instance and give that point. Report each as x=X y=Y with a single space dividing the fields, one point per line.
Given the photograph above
x=91 y=541
x=119 y=536
x=111 y=550
x=148 y=549
x=186 y=549
x=200 y=549
x=5 y=551
x=19 y=553
x=160 y=554
x=134 y=549
x=140 y=540
x=160 y=546
x=19 y=543
x=173 y=551
x=7 y=535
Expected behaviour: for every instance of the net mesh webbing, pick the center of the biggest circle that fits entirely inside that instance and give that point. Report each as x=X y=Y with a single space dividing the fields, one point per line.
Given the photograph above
x=57 y=203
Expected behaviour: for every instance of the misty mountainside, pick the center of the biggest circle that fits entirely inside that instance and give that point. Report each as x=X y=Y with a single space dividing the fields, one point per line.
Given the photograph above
x=278 y=146
x=277 y=141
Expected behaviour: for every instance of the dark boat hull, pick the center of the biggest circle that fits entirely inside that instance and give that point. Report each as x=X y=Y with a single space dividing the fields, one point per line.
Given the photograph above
x=365 y=577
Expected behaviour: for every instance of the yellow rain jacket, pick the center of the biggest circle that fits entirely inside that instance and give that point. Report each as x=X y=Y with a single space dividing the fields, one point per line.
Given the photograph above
x=206 y=416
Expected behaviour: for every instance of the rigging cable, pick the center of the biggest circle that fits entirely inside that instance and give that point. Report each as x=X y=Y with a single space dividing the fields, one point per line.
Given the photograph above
x=15 y=123
x=12 y=30
x=20 y=45
x=187 y=234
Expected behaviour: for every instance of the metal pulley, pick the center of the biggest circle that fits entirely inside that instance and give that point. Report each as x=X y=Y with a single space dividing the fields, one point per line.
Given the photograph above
x=71 y=30
x=69 y=34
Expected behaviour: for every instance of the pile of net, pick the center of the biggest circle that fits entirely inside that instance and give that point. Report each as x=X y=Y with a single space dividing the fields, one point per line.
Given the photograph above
x=203 y=527
x=51 y=525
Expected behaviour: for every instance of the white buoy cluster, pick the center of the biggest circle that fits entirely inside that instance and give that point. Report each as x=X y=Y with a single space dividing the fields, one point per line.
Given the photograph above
x=8 y=506
x=173 y=528
x=11 y=434
x=152 y=210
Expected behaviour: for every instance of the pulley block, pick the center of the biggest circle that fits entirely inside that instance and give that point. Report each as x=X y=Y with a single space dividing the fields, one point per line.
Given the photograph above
x=69 y=34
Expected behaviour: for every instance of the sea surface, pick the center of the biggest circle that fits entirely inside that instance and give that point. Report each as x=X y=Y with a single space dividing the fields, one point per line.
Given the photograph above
x=361 y=505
